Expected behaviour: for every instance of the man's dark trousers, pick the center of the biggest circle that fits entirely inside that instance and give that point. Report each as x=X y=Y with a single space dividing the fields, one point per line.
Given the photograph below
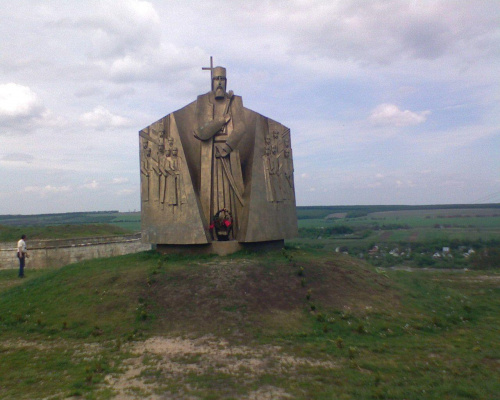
x=21 y=266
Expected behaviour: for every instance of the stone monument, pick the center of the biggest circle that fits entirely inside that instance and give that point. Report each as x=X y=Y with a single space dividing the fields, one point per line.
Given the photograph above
x=216 y=176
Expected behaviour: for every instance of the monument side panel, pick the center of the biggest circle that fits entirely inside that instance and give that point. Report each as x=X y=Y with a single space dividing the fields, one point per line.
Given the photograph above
x=272 y=212
x=170 y=212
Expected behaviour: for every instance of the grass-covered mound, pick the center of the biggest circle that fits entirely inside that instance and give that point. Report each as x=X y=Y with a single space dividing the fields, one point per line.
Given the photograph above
x=301 y=324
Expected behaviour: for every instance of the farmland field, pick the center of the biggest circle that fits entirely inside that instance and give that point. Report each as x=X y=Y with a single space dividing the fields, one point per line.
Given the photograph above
x=420 y=234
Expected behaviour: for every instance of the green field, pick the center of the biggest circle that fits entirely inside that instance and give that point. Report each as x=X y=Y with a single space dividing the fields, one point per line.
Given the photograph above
x=130 y=221
x=301 y=324
x=420 y=233
x=13 y=233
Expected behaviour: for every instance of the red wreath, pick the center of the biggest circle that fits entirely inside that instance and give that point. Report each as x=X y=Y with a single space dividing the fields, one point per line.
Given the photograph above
x=222 y=222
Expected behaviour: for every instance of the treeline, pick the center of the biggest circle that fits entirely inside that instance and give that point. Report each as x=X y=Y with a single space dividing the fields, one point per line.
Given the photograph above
x=314 y=233
x=318 y=212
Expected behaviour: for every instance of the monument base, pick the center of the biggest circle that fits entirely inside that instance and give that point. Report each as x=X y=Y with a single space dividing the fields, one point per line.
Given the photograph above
x=222 y=248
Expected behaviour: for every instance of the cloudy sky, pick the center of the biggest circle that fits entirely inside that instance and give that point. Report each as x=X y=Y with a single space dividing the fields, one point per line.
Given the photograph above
x=389 y=102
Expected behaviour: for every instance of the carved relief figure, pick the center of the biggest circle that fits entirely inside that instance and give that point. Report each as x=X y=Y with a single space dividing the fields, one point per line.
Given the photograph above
x=288 y=172
x=266 y=159
x=155 y=177
x=145 y=171
x=176 y=192
x=275 y=172
x=166 y=172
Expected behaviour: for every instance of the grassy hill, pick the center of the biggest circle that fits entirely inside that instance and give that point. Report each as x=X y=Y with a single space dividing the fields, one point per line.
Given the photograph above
x=292 y=324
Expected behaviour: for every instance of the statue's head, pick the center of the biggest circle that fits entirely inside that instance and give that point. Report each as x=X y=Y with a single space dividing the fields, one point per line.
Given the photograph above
x=170 y=141
x=167 y=152
x=161 y=148
x=175 y=151
x=219 y=82
x=287 y=153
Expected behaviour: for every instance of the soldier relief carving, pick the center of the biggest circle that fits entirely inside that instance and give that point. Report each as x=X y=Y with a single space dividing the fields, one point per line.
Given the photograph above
x=278 y=166
x=161 y=181
x=214 y=170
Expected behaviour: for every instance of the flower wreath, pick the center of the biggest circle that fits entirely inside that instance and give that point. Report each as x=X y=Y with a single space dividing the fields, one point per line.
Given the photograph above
x=222 y=220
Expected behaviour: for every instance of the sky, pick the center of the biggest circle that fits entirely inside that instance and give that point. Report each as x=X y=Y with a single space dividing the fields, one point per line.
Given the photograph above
x=388 y=101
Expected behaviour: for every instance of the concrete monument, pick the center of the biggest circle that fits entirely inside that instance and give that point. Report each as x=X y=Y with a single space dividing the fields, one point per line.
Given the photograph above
x=215 y=171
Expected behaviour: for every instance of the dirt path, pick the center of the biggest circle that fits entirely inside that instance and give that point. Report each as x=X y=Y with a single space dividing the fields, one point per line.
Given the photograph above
x=160 y=367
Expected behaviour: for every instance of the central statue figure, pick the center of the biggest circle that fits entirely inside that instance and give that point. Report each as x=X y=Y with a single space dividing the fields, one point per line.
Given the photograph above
x=220 y=125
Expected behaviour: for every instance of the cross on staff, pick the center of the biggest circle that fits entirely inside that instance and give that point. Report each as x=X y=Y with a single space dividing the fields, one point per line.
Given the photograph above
x=211 y=68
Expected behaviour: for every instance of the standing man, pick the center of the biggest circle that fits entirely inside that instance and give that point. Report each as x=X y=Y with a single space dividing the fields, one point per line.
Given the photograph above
x=22 y=254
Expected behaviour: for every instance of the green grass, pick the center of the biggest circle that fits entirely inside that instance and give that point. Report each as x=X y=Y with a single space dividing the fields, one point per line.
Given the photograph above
x=251 y=328
x=13 y=233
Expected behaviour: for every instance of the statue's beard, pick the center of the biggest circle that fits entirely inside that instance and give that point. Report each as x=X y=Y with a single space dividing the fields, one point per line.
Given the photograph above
x=219 y=92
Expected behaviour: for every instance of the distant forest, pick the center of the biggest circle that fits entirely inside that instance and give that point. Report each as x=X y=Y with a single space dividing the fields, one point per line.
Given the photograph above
x=316 y=212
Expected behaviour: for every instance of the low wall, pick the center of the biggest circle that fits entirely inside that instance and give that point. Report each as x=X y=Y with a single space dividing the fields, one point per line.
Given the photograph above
x=59 y=252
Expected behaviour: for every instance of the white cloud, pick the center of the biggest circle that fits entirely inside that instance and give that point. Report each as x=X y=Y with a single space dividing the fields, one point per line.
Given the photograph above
x=119 y=181
x=101 y=118
x=18 y=158
x=92 y=185
x=153 y=64
x=18 y=103
x=126 y=192
x=113 y=30
x=44 y=190
x=385 y=31
x=390 y=115
x=463 y=136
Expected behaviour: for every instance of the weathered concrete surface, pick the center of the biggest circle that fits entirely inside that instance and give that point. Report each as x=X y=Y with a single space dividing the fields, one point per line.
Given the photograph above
x=59 y=252
x=220 y=248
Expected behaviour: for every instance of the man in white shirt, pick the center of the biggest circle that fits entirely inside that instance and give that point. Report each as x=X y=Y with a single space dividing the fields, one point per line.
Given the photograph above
x=22 y=254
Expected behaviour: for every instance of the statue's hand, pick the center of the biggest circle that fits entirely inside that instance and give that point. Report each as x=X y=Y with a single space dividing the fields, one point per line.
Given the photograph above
x=223 y=151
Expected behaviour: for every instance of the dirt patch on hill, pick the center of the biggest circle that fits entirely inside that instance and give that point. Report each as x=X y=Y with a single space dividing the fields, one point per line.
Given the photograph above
x=234 y=295
x=160 y=364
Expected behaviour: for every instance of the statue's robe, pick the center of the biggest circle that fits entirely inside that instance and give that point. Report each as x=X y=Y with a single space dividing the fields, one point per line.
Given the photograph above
x=221 y=184
x=205 y=184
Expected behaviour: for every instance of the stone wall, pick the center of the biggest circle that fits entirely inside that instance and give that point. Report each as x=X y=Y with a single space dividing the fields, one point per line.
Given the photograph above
x=59 y=252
